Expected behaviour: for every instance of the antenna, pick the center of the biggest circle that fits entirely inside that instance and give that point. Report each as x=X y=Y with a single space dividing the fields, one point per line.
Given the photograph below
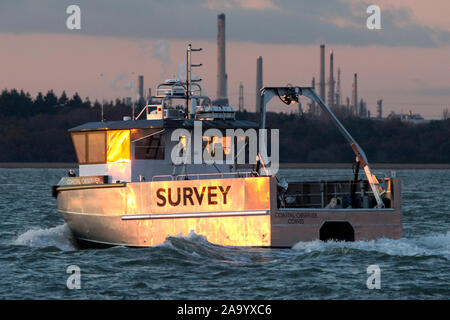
x=189 y=67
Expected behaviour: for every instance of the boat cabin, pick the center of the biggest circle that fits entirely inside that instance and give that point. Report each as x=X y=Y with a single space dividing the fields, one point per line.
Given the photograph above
x=137 y=150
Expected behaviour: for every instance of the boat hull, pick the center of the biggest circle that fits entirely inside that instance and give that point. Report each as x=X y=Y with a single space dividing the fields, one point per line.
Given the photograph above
x=141 y=214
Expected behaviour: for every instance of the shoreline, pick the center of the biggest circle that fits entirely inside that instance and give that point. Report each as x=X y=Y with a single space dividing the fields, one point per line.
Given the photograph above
x=70 y=165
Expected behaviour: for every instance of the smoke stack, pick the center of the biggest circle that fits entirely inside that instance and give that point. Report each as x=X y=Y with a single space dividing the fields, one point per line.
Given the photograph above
x=221 y=75
x=338 y=89
x=241 y=97
x=259 y=82
x=331 y=82
x=380 y=109
x=141 y=87
x=322 y=72
x=355 y=94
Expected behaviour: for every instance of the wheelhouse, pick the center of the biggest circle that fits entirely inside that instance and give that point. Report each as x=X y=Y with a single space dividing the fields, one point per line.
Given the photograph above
x=136 y=150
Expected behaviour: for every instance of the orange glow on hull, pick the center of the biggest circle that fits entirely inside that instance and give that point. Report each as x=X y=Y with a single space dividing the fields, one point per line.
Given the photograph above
x=227 y=231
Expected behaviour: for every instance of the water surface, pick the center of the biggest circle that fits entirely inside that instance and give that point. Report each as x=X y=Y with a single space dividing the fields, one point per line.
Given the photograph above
x=36 y=249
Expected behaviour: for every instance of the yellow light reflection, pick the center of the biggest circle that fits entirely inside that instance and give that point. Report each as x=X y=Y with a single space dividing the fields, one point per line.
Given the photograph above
x=118 y=146
x=131 y=201
x=228 y=231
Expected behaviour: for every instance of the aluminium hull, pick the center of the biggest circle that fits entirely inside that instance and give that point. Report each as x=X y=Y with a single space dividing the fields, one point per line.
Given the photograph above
x=141 y=214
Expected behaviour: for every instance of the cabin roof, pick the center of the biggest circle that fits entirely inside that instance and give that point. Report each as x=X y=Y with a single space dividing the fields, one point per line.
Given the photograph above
x=167 y=123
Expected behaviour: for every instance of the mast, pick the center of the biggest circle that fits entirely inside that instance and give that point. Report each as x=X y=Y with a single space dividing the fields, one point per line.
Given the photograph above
x=189 y=80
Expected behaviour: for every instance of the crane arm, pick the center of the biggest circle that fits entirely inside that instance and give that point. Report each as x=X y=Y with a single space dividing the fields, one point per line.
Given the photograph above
x=290 y=94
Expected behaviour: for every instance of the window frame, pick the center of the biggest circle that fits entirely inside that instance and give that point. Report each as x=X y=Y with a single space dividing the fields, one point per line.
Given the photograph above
x=86 y=146
x=159 y=150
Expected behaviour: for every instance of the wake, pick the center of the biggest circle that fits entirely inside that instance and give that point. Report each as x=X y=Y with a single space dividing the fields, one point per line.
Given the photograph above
x=59 y=237
x=435 y=245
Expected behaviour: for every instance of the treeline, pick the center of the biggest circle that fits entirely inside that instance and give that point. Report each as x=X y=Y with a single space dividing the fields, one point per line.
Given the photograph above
x=35 y=130
x=317 y=140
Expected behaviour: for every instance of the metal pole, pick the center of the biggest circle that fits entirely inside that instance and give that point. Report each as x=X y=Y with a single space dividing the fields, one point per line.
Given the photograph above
x=188 y=78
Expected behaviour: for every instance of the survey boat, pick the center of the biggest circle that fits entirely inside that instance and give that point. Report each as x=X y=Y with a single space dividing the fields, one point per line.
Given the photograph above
x=163 y=173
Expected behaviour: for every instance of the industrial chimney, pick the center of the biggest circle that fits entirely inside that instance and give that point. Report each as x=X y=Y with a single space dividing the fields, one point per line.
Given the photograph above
x=241 y=97
x=380 y=109
x=355 y=94
x=222 y=95
x=141 y=87
x=338 y=89
x=322 y=72
x=259 y=82
x=331 y=82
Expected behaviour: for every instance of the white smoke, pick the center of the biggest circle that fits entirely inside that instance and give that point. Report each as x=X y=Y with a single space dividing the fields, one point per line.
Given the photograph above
x=160 y=51
x=182 y=72
x=129 y=85
x=117 y=79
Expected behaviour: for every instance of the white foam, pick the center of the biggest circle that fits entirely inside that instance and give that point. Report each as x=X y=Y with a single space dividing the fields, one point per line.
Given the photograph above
x=438 y=245
x=59 y=237
x=190 y=237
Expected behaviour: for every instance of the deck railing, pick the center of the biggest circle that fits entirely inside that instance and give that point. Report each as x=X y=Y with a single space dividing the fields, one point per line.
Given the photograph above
x=198 y=176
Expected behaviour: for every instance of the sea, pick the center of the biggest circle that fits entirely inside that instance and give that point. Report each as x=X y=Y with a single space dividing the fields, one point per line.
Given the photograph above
x=38 y=257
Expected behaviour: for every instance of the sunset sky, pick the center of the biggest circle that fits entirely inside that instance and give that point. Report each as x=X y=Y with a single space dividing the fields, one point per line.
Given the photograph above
x=406 y=63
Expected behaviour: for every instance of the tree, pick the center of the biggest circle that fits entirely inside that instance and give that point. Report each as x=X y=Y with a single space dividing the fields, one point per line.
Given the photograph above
x=50 y=102
x=75 y=101
x=63 y=99
x=39 y=104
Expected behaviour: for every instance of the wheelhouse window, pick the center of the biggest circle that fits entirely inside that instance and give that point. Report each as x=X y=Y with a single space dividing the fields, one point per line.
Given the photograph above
x=148 y=144
x=118 y=146
x=90 y=147
x=219 y=148
x=79 y=142
x=96 y=147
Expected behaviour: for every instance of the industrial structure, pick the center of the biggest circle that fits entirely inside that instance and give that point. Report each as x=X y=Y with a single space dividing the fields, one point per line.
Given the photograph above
x=363 y=112
x=259 y=82
x=313 y=110
x=141 y=86
x=338 y=89
x=329 y=91
x=241 y=97
x=355 y=95
x=322 y=72
x=222 y=95
x=380 y=109
x=331 y=83
x=141 y=98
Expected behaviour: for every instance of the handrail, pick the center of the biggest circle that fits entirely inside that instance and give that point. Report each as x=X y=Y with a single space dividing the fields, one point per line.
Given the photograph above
x=327 y=177
x=140 y=113
x=198 y=175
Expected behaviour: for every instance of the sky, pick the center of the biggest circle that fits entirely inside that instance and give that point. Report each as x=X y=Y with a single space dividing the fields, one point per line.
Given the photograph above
x=406 y=63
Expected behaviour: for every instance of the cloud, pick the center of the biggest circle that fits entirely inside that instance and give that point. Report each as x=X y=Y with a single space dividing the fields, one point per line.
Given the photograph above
x=340 y=22
x=443 y=91
x=246 y=4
